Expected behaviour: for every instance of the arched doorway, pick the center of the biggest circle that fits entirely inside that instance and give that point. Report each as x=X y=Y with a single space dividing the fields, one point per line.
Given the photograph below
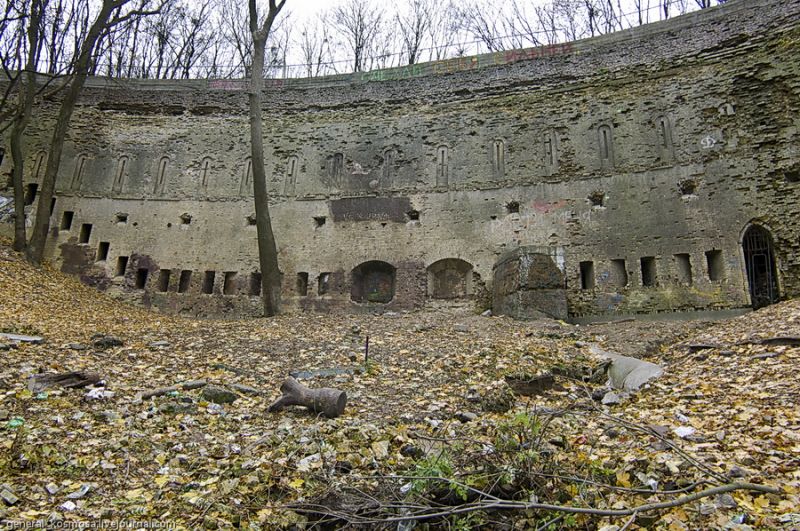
x=373 y=282
x=449 y=279
x=759 y=259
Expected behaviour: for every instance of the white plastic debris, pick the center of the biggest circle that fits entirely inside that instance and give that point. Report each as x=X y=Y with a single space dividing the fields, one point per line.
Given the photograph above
x=99 y=393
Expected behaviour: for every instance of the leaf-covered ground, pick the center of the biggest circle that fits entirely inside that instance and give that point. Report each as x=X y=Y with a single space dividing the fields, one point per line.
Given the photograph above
x=430 y=426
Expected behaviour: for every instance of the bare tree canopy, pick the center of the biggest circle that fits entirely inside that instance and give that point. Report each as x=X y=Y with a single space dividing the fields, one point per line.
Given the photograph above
x=211 y=38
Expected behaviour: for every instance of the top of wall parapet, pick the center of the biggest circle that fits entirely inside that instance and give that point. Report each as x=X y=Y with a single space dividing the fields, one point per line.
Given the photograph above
x=708 y=32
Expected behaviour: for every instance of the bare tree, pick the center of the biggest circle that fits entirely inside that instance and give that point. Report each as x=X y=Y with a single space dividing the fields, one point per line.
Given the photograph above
x=109 y=15
x=236 y=30
x=442 y=31
x=475 y=18
x=267 y=249
x=413 y=26
x=22 y=112
x=315 y=48
x=358 y=22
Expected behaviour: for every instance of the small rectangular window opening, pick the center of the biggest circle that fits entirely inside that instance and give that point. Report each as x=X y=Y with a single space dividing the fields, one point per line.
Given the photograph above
x=185 y=281
x=66 y=220
x=302 y=284
x=619 y=273
x=229 y=283
x=208 y=282
x=255 y=284
x=102 y=251
x=163 y=280
x=122 y=265
x=141 y=277
x=587 y=275
x=648 y=264
x=684 y=265
x=30 y=193
x=716 y=265
x=323 y=283
x=86 y=232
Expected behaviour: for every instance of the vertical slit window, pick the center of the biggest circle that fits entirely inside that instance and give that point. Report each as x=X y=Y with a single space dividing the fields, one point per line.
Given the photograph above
x=208 y=282
x=335 y=167
x=666 y=146
x=66 y=220
x=161 y=176
x=442 y=166
x=122 y=265
x=551 y=152
x=683 y=264
x=619 y=273
x=37 y=170
x=606 y=141
x=389 y=158
x=291 y=176
x=716 y=265
x=163 y=280
x=302 y=284
x=246 y=186
x=30 y=193
x=86 y=233
x=323 y=283
x=255 y=284
x=141 y=278
x=204 y=173
x=229 y=283
x=77 y=174
x=119 y=178
x=102 y=251
x=499 y=156
x=649 y=276
x=185 y=281
x=587 y=275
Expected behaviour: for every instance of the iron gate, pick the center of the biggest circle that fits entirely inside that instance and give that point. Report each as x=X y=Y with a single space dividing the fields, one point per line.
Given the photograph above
x=760 y=264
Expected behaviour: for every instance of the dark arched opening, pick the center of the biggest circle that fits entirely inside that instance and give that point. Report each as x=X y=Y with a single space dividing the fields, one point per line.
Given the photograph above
x=759 y=259
x=373 y=282
x=449 y=279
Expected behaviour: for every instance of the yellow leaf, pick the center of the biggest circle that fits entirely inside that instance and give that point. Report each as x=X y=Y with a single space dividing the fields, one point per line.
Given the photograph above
x=161 y=480
x=209 y=481
x=134 y=494
x=623 y=479
x=296 y=483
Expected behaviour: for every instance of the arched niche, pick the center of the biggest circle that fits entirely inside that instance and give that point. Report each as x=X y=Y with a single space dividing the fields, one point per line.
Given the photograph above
x=373 y=281
x=449 y=278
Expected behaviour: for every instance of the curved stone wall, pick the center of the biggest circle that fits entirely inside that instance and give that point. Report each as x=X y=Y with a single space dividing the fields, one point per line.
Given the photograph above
x=637 y=159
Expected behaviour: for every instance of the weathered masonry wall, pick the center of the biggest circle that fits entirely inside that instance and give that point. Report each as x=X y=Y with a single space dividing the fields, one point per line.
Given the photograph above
x=639 y=159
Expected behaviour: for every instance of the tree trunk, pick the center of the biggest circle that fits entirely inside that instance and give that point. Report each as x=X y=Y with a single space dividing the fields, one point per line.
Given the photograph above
x=17 y=171
x=41 y=224
x=330 y=402
x=267 y=249
x=26 y=95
